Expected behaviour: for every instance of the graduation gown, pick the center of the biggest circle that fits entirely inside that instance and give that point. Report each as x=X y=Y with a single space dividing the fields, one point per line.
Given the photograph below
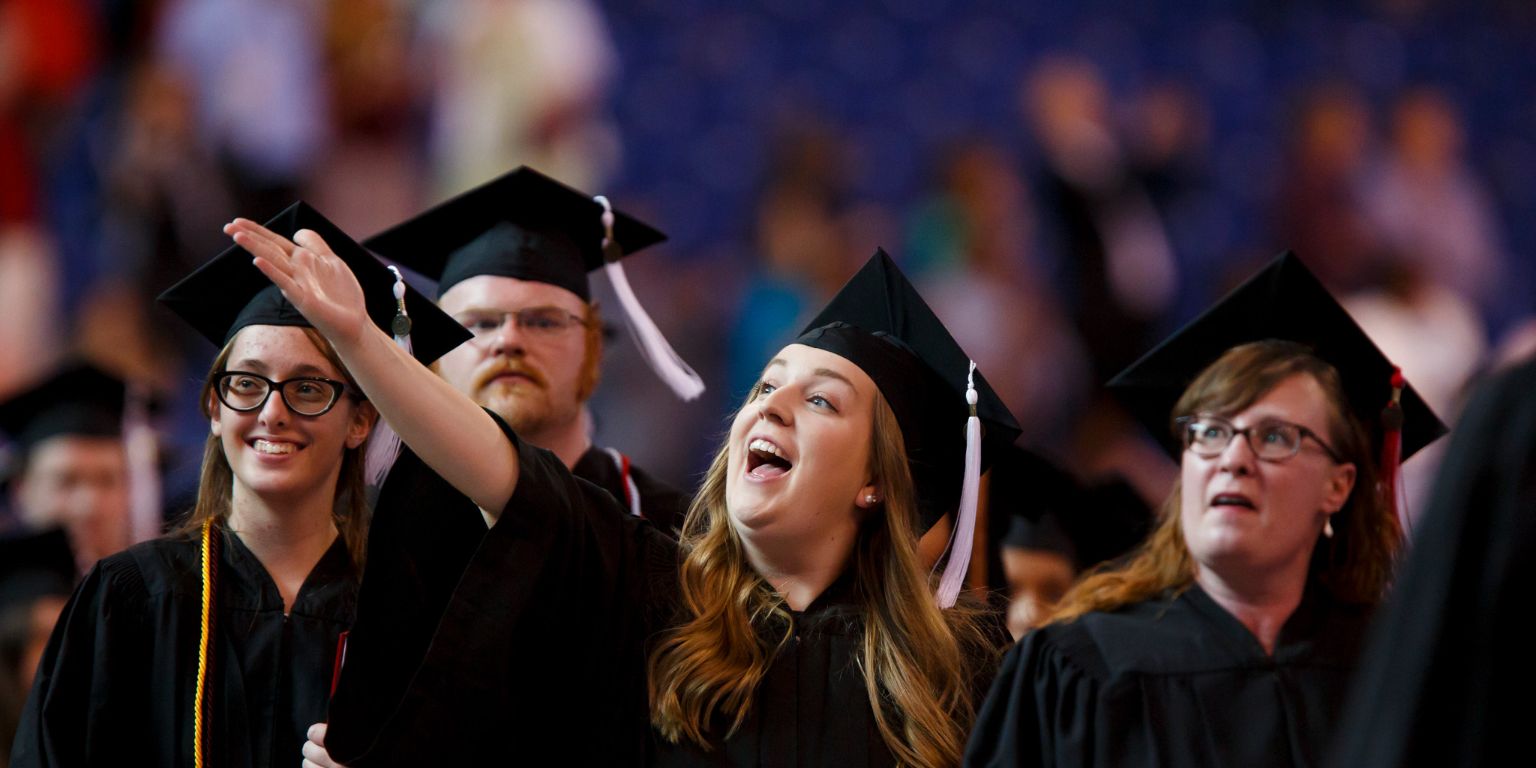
x=538 y=646
x=660 y=503
x=117 y=681
x=1447 y=675
x=1175 y=681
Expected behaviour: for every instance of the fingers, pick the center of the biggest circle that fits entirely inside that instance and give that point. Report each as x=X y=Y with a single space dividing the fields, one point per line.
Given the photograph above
x=312 y=240
x=315 y=755
x=259 y=233
x=317 y=733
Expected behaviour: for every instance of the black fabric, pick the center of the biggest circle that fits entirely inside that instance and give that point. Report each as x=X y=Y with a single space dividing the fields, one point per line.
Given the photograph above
x=660 y=503
x=521 y=224
x=529 y=637
x=33 y=565
x=117 y=681
x=1283 y=301
x=229 y=293
x=1171 y=682
x=1446 y=679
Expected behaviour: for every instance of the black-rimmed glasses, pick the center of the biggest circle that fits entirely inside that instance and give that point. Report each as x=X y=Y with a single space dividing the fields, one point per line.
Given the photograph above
x=305 y=395
x=1271 y=440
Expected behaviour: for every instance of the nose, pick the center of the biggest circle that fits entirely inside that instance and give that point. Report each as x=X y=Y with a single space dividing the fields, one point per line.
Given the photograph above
x=508 y=338
x=771 y=407
x=274 y=411
x=1238 y=457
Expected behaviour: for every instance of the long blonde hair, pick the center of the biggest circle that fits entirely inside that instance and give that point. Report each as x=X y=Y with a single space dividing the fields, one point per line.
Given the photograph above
x=919 y=663
x=1355 y=565
x=215 y=487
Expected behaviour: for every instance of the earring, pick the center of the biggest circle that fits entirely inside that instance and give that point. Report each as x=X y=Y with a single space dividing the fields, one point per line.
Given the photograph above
x=871 y=499
x=1328 y=528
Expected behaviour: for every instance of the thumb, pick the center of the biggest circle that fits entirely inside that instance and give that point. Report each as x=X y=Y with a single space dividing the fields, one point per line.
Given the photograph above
x=313 y=241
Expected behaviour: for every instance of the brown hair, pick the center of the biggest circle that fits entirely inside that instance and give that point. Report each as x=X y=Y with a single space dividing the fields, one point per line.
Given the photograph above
x=215 y=487
x=919 y=662
x=1355 y=565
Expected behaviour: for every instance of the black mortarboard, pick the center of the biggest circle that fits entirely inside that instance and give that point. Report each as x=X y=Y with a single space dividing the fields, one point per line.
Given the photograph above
x=1048 y=508
x=78 y=399
x=229 y=292
x=522 y=224
x=33 y=565
x=880 y=323
x=1284 y=301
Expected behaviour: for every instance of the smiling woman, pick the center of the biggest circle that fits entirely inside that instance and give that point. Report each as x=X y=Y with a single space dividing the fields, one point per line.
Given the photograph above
x=1228 y=639
x=218 y=642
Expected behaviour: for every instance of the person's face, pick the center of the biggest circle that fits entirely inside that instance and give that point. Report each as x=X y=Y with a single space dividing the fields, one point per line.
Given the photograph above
x=797 y=465
x=274 y=452
x=1240 y=514
x=1037 y=580
x=79 y=483
x=535 y=381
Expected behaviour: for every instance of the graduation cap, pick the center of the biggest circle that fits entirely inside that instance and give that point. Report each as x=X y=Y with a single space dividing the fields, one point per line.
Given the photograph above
x=527 y=226
x=1284 y=301
x=34 y=565
x=78 y=399
x=880 y=323
x=229 y=293
x=1048 y=508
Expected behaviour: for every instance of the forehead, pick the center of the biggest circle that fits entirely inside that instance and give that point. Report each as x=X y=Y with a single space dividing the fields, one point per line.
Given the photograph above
x=507 y=294
x=1298 y=398
x=278 y=348
x=75 y=450
x=800 y=361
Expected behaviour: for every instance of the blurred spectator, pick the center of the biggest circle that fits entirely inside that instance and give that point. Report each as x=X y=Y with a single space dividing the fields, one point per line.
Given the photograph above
x=519 y=82
x=37 y=573
x=803 y=248
x=1430 y=210
x=1320 y=214
x=970 y=247
x=1119 y=272
x=1437 y=338
x=255 y=72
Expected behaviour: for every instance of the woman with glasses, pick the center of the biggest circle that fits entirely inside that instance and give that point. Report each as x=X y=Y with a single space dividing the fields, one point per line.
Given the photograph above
x=1229 y=637
x=219 y=642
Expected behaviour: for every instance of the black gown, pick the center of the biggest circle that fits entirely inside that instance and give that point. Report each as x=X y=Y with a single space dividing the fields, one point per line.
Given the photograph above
x=1447 y=675
x=1171 y=682
x=660 y=503
x=538 y=645
x=116 y=683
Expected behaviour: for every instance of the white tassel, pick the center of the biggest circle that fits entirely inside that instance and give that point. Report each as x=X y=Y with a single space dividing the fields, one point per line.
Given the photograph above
x=145 y=519
x=384 y=444
x=953 y=579
x=653 y=346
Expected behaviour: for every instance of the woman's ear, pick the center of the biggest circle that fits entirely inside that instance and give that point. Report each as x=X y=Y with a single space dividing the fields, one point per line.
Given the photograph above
x=1340 y=483
x=213 y=416
x=363 y=420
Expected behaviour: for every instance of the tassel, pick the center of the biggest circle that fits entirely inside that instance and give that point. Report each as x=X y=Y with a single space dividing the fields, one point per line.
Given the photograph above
x=384 y=445
x=653 y=346
x=145 y=519
x=965 y=517
x=1392 y=441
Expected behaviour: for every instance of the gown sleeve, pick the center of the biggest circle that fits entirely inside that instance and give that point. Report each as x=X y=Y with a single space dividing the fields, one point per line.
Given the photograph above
x=71 y=717
x=1040 y=711
x=475 y=644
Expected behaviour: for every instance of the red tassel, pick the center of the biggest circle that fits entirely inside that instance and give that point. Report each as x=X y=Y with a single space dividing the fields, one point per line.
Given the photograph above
x=1392 y=440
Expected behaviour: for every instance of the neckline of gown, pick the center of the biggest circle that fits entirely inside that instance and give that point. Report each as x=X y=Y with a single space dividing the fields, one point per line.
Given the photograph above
x=1295 y=636
x=257 y=591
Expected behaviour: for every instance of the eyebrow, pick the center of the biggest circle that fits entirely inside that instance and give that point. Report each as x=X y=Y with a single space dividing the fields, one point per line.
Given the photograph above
x=257 y=366
x=824 y=373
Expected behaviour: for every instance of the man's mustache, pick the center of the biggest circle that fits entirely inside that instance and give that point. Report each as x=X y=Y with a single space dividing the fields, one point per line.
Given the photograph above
x=506 y=368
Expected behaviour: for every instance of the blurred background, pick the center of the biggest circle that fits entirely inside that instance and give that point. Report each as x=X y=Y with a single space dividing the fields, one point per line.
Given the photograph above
x=1066 y=182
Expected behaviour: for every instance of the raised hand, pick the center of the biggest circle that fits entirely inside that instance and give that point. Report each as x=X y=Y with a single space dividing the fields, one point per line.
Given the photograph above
x=311 y=276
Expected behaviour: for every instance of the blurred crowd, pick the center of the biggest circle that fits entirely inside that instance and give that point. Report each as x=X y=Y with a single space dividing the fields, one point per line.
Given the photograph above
x=1064 y=185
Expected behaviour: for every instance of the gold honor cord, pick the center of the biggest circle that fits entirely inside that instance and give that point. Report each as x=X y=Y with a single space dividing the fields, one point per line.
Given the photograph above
x=205 y=637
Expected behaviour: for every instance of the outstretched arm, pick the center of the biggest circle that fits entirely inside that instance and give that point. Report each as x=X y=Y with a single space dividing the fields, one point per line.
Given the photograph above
x=450 y=433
